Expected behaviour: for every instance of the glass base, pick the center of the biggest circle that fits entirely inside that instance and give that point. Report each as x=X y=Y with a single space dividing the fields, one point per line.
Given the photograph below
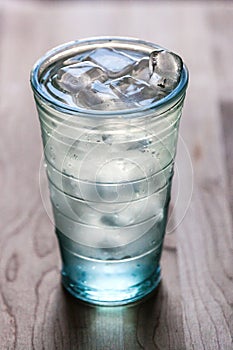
x=112 y=297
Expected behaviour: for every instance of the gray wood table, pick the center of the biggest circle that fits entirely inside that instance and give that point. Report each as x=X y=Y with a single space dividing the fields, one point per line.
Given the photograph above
x=192 y=308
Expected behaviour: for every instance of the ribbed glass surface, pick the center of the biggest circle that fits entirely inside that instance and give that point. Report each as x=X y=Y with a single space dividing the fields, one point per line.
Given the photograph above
x=110 y=181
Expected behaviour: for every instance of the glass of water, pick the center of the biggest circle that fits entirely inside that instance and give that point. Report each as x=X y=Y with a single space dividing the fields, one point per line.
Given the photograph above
x=109 y=110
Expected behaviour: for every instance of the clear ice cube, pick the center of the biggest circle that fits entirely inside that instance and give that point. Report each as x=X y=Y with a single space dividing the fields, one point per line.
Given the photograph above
x=140 y=145
x=100 y=97
x=165 y=69
x=75 y=59
x=75 y=77
x=133 y=90
x=116 y=63
x=141 y=70
x=118 y=170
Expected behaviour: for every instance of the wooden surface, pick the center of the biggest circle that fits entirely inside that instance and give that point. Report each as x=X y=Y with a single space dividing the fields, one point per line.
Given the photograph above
x=192 y=308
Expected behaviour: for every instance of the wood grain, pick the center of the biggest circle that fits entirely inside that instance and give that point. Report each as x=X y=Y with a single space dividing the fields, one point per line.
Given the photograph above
x=192 y=308
x=226 y=108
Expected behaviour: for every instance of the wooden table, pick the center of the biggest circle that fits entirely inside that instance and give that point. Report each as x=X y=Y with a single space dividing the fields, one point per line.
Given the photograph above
x=192 y=308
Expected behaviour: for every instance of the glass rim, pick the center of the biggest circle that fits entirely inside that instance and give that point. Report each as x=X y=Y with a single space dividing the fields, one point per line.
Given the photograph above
x=173 y=96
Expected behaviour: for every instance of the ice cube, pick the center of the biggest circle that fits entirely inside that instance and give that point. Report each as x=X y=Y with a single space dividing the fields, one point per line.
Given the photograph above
x=75 y=59
x=116 y=63
x=141 y=70
x=120 y=219
x=78 y=76
x=133 y=90
x=100 y=97
x=165 y=69
x=107 y=138
x=141 y=145
x=119 y=170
